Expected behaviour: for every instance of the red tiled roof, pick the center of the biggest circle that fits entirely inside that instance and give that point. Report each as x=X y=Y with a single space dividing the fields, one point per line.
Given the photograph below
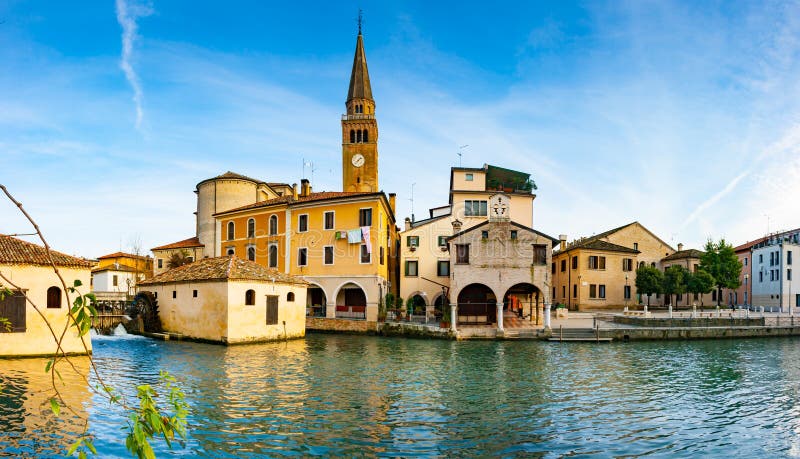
x=184 y=244
x=122 y=255
x=18 y=252
x=321 y=196
x=222 y=268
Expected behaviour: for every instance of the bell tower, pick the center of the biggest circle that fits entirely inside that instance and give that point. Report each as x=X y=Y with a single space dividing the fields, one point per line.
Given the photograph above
x=359 y=128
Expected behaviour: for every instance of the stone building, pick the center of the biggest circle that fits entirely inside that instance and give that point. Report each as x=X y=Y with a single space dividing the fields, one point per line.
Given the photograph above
x=773 y=261
x=499 y=267
x=690 y=260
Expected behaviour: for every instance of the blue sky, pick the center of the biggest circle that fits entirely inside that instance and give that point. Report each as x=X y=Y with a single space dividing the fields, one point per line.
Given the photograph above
x=684 y=116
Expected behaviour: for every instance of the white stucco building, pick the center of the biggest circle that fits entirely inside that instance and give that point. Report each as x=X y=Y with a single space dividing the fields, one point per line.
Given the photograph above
x=773 y=283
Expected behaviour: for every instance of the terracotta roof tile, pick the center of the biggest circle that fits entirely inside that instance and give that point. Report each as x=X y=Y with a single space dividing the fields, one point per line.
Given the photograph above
x=222 y=268
x=122 y=255
x=691 y=253
x=321 y=196
x=18 y=252
x=184 y=244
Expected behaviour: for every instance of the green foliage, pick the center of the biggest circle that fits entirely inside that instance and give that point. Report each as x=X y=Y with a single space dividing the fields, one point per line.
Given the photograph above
x=5 y=324
x=675 y=280
x=148 y=421
x=649 y=280
x=179 y=259
x=83 y=309
x=446 y=314
x=721 y=262
x=700 y=282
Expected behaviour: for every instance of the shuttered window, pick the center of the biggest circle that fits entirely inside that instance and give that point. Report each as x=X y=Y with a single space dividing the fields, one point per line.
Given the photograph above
x=12 y=307
x=272 y=310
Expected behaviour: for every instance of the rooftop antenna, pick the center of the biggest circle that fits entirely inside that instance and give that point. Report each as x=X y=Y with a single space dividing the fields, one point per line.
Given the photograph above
x=460 y=153
x=412 y=200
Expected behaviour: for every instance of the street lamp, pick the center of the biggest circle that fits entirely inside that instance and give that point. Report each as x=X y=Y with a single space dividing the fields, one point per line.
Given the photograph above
x=625 y=293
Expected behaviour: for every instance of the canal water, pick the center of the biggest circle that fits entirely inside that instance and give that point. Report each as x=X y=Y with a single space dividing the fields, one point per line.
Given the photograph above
x=332 y=395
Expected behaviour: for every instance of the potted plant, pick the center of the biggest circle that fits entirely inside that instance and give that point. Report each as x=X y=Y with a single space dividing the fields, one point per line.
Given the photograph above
x=398 y=308
x=445 y=323
x=409 y=308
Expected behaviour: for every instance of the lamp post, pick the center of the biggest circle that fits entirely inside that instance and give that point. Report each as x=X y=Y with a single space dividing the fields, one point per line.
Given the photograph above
x=625 y=293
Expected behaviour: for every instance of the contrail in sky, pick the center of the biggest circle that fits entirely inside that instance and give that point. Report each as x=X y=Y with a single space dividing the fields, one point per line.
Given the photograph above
x=126 y=16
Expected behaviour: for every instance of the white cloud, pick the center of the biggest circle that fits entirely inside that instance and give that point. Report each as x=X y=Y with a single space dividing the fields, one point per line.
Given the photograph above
x=127 y=14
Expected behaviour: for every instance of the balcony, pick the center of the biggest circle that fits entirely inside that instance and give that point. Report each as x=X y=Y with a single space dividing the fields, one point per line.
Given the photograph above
x=358 y=116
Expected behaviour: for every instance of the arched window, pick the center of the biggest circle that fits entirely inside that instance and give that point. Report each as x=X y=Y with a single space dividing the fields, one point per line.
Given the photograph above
x=641 y=264
x=230 y=231
x=251 y=253
x=358 y=136
x=231 y=251
x=273 y=256
x=352 y=136
x=251 y=228
x=54 y=297
x=366 y=136
x=273 y=225
x=250 y=298
x=290 y=296
x=653 y=264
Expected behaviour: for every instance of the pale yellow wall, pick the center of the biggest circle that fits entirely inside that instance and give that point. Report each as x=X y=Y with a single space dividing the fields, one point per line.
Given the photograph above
x=651 y=248
x=38 y=340
x=164 y=255
x=204 y=317
x=521 y=207
x=427 y=255
x=460 y=181
x=613 y=277
x=248 y=323
x=217 y=196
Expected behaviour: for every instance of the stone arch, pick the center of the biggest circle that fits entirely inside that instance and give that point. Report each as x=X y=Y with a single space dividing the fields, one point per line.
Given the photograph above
x=477 y=304
x=351 y=301
x=420 y=302
x=524 y=299
x=316 y=300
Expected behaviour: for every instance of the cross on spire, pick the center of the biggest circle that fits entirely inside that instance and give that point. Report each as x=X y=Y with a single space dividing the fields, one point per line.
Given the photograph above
x=360 y=20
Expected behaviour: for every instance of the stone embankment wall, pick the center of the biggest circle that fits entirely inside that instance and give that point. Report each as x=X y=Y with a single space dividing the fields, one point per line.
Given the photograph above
x=410 y=330
x=682 y=333
x=325 y=325
x=666 y=322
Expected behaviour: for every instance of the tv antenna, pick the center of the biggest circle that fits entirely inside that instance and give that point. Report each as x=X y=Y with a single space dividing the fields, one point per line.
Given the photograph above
x=460 y=153
x=412 y=200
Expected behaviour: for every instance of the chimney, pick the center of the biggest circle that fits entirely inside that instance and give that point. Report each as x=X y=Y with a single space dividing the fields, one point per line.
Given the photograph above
x=305 y=187
x=294 y=191
x=392 y=201
x=408 y=224
x=562 y=241
x=456 y=226
x=680 y=247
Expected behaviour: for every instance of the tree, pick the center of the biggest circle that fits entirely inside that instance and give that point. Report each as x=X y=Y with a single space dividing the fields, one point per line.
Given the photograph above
x=722 y=263
x=700 y=283
x=674 y=279
x=179 y=259
x=649 y=280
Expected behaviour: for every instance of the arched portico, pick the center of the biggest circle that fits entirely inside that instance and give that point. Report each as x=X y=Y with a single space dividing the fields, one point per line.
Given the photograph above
x=477 y=305
x=316 y=301
x=351 y=301
x=524 y=300
x=418 y=301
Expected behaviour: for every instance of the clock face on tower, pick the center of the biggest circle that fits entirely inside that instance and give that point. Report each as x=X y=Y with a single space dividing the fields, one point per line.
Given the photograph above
x=357 y=160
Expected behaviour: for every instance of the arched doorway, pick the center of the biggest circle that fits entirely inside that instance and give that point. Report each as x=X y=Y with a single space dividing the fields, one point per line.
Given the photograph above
x=477 y=305
x=316 y=301
x=439 y=304
x=351 y=302
x=523 y=301
x=416 y=304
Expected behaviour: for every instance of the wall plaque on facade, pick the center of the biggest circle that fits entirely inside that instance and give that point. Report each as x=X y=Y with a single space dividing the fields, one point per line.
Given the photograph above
x=499 y=208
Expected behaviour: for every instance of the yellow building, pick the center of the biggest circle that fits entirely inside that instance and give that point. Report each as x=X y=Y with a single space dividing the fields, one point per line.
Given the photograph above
x=425 y=274
x=229 y=300
x=344 y=243
x=599 y=272
x=28 y=268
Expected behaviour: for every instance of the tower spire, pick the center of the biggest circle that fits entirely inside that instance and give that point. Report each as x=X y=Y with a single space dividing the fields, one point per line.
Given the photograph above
x=359 y=77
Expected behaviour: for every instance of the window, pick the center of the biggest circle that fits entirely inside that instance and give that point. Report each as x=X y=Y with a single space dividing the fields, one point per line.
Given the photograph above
x=366 y=257
x=290 y=297
x=627 y=292
x=563 y=291
x=251 y=253
x=601 y=290
x=251 y=228
x=250 y=298
x=329 y=220
x=627 y=264
x=366 y=135
x=327 y=255
x=513 y=234
x=788 y=274
x=302 y=223
x=174 y=294
x=745 y=260
x=273 y=256
x=12 y=307
x=54 y=297
x=635 y=246
x=442 y=242
x=475 y=208
x=653 y=264
x=563 y=265
x=115 y=280
x=788 y=257
x=575 y=262
x=302 y=256
x=468 y=177
x=194 y=293
x=352 y=136
x=272 y=310
x=597 y=262
x=574 y=290
x=231 y=231
x=412 y=241
x=539 y=254
x=713 y=295
x=231 y=251
x=412 y=268
x=358 y=135
x=761 y=276
x=592 y=291
x=273 y=225
x=381 y=255
x=553 y=267
x=462 y=254
x=443 y=268
x=160 y=263
x=485 y=234
x=761 y=258
x=365 y=217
